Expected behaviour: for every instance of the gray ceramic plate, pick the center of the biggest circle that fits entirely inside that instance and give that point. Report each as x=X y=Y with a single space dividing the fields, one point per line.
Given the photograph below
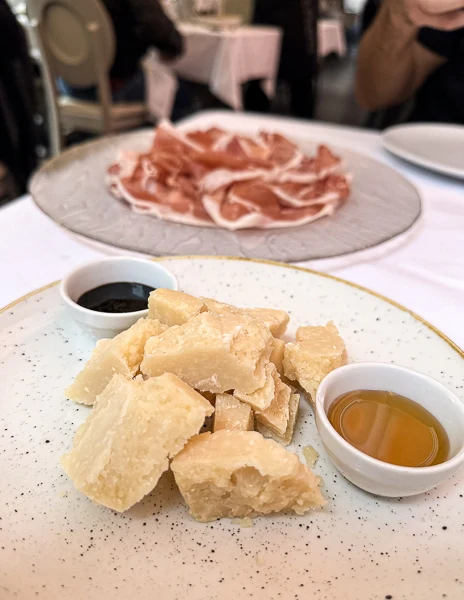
x=56 y=545
x=71 y=190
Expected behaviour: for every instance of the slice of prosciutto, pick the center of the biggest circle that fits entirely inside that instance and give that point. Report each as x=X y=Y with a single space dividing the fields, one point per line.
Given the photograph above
x=216 y=178
x=255 y=204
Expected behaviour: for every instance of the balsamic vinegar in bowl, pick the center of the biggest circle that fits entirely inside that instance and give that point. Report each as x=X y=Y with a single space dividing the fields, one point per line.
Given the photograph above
x=119 y=297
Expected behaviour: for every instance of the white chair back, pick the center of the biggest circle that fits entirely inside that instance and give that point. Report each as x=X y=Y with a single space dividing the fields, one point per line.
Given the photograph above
x=77 y=37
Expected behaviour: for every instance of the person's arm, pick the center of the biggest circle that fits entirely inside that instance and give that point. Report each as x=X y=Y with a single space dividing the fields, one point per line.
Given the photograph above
x=154 y=28
x=392 y=64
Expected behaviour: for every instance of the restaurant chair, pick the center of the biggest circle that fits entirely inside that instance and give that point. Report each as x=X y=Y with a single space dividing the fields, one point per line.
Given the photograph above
x=77 y=43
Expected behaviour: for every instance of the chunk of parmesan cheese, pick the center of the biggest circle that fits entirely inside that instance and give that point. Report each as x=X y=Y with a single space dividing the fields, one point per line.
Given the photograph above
x=287 y=438
x=212 y=353
x=275 y=320
x=135 y=427
x=173 y=308
x=264 y=396
x=122 y=354
x=241 y=474
x=231 y=414
x=311 y=456
x=319 y=351
x=275 y=416
x=277 y=355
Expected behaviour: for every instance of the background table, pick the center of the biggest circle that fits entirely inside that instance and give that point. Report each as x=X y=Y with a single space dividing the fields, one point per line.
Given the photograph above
x=331 y=37
x=425 y=274
x=224 y=60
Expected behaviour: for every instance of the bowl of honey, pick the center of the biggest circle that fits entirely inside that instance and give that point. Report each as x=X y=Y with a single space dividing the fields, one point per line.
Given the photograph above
x=390 y=430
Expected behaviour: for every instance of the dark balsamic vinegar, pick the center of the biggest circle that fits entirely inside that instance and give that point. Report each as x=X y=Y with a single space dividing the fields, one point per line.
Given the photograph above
x=120 y=297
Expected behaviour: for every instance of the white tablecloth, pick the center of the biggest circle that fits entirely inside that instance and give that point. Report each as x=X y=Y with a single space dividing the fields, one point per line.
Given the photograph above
x=225 y=59
x=331 y=37
x=425 y=274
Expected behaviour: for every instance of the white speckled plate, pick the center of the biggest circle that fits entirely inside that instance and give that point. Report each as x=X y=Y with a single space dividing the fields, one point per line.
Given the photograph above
x=71 y=190
x=56 y=544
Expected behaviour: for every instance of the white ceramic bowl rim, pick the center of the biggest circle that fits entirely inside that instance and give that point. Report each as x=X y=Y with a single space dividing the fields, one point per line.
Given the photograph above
x=112 y=260
x=451 y=462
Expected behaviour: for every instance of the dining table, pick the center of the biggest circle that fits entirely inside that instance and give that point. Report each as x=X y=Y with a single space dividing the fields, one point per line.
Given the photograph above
x=331 y=37
x=224 y=59
x=227 y=58
x=423 y=271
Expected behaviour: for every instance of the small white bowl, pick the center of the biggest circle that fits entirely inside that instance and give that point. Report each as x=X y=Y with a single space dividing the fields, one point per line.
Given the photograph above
x=373 y=475
x=111 y=270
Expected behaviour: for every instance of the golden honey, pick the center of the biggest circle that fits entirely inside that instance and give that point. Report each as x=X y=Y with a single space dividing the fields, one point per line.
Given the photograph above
x=390 y=427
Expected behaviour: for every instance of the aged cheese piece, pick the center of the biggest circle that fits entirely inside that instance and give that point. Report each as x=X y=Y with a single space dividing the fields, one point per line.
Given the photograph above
x=275 y=320
x=287 y=437
x=319 y=351
x=173 y=308
x=176 y=308
x=262 y=398
x=212 y=353
x=277 y=355
x=275 y=416
x=241 y=474
x=123 y=448
x=122 y=354
x=232 y=414
x=324 y=337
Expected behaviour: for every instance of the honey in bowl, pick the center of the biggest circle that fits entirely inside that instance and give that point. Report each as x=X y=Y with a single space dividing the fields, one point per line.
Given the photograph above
x=390 y=428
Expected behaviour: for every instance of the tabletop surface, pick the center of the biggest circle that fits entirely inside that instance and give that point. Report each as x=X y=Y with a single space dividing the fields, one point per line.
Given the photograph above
x=424 y=272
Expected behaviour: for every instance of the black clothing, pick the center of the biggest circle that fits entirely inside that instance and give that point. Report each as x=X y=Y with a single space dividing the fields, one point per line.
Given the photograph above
x=298 y=61
x=139 y=25
x=17 y=139
x=441 y=98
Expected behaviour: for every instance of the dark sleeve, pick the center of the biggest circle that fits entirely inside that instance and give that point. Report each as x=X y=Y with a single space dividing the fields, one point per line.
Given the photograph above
x=370 y=11
x=154 y=28
x=444 y=43
x=11 y=35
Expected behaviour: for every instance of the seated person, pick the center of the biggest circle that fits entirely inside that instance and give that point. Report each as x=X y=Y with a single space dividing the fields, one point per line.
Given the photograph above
x=413 y=49
x=298 y=60
x=138 y=26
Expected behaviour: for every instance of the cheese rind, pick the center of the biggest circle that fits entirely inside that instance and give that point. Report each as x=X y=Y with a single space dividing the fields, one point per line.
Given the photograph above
x=241 y=474
x=212 y=353
x=319 y=351
x=122 y=354
x=231 y=414
x=173 y=308
x=123 y=448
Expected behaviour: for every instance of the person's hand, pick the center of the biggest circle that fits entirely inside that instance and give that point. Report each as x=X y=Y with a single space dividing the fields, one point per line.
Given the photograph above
x=439 y=14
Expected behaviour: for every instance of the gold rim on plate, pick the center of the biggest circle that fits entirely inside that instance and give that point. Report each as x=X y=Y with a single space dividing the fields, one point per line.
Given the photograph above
x=274 y=263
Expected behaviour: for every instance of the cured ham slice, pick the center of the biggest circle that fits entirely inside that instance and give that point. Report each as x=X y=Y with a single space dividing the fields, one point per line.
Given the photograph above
x=215 y=178
x=255 y=204
x=330 y=188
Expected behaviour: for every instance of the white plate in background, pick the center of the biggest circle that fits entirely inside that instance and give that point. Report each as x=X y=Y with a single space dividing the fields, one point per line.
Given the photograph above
x=56 y=544
x=438 y=147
